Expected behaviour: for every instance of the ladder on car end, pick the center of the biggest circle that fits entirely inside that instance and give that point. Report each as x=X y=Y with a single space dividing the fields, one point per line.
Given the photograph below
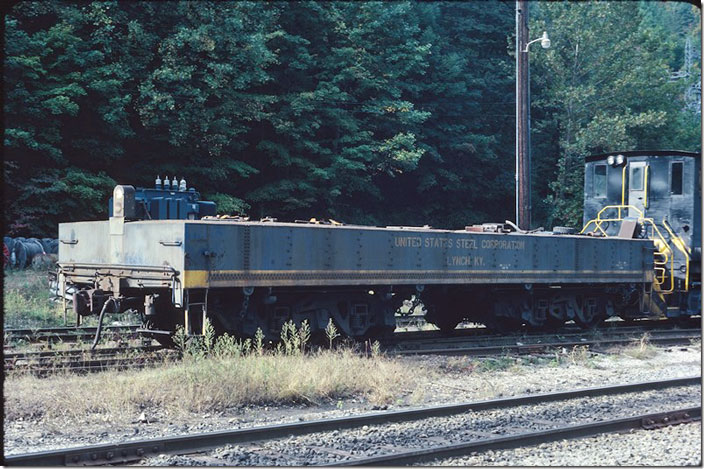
x=195 y=311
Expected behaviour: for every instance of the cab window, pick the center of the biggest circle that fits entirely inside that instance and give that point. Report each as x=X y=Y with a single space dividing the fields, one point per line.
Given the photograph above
x=636 y=178
x=676 y=178
x=599 y=189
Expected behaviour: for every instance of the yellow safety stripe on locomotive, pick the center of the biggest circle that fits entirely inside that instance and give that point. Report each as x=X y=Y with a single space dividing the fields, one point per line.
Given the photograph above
x=200 y=278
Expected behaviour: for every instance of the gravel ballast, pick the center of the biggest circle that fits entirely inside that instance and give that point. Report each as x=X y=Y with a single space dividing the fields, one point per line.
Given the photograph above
x=678 y=445
x=373 y=440
x=458 y=379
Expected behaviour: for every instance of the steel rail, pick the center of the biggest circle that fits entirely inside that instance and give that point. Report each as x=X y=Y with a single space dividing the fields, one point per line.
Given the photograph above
x=48 y=354
x=85 y=365
x=658 y=419
x=93 y=366
x=483 y=333
x=65 y=330
x=535 y=338
x=483 y=350
x=129 y=451
x=66 y=334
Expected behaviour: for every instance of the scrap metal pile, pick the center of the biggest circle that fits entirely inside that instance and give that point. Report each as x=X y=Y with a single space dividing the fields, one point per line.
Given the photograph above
x=20 y=252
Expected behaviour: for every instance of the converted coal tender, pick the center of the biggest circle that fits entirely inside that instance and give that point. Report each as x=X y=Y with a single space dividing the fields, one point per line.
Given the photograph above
x=165 y=255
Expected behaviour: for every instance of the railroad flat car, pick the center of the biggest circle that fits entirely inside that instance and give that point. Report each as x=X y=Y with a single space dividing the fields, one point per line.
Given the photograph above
x=242 y=275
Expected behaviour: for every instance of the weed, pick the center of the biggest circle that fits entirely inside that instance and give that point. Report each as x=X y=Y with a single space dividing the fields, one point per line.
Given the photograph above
x=208 y=337
x=304 y=334
x=458 y=365
x=259 y=341
x=375 y=349
x=579 y=355
x=227 y=346
x=557 y=360
x=417 y=396
x=642 y=349
x=247 y=346
x=180 y=339
x=331 y=332
x=290 y=338
x=495 y=364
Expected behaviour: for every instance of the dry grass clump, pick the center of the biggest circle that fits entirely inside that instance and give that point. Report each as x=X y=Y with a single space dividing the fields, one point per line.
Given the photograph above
x=642 y=349
x=230 y=375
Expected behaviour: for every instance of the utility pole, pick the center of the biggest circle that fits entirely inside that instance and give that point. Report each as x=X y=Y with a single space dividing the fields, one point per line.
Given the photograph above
x=523 y=205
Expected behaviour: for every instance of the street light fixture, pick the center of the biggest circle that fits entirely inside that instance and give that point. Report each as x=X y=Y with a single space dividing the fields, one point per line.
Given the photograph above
x=544 y=41
x=523 y=204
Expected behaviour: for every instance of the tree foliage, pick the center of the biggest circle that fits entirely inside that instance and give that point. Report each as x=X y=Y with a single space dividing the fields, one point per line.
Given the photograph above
x=367 y=112
x=604 y=85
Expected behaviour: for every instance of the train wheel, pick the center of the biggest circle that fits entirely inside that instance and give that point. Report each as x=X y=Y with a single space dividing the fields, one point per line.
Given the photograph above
x=630 y=320
x=443 y=310
x=553 y=323
x=166 y=341
x=505 y=316
x=502 y=325
x=589 y=313
x=447 y=325
x=380 y=332
x=680 y=322
x=444 y=319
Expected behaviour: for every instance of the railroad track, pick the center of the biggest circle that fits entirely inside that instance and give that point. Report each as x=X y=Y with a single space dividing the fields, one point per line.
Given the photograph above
x=45 y=362
x=81 y=360
x=471 y=330
x=53 y=335
x=530 y=438
x=536 y=343
x=258 y=437
x=68 y=334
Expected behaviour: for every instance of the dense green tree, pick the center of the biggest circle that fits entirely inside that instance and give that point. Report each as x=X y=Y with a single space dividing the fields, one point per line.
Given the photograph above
x=367 y=112
x=340 y=117
x=466 y=173
x=45 y=87
x=604 y=85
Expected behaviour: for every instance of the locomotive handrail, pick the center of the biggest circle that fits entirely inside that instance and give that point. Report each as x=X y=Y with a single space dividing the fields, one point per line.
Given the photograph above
x=667 y=254
x=680 y=244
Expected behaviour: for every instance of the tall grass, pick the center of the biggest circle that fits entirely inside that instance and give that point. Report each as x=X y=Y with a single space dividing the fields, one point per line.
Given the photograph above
x=214 y=375
x=27 y=302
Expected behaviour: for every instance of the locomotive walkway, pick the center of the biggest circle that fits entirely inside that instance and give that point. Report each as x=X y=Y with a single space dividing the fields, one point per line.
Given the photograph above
x=130 y=451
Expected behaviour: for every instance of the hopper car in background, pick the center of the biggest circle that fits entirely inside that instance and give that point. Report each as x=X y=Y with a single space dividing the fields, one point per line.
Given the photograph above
x=165 y=255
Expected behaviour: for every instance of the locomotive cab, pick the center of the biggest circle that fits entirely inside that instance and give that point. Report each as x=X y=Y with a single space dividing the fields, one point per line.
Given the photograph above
x=654 y=195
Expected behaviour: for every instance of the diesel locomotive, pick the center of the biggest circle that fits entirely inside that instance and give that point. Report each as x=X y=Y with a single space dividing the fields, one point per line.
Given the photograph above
x=164 y=254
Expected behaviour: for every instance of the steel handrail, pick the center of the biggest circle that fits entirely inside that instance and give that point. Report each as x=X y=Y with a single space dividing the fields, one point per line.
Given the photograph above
x=680 y=244
x=659 y=266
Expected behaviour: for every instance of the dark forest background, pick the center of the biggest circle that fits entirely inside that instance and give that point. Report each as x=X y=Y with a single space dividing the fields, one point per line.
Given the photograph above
x=365 y=112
